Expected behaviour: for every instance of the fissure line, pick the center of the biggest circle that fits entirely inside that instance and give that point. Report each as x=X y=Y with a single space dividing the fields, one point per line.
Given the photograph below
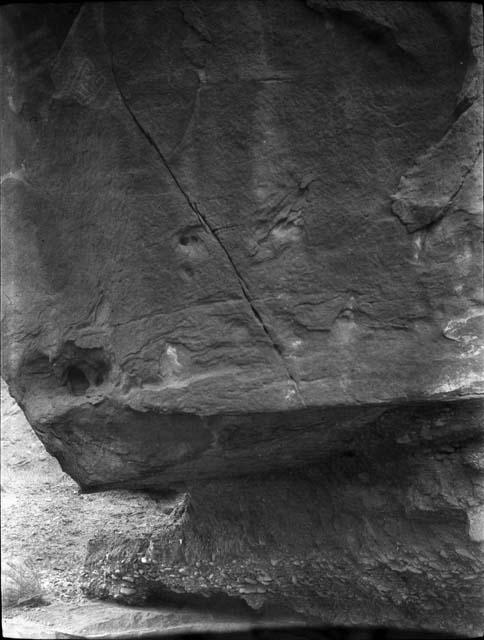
x=212 y=232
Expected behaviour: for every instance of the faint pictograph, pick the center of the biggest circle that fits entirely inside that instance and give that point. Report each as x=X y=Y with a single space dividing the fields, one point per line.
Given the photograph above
x=80 y=81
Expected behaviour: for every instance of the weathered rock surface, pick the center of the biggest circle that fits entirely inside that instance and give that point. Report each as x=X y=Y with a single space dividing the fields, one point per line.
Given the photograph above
x=203 y=216
x=244 y=238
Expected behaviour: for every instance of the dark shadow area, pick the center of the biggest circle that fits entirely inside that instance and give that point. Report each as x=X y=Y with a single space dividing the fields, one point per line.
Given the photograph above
x=302 y=633
x=219 y=603
x=76 y=381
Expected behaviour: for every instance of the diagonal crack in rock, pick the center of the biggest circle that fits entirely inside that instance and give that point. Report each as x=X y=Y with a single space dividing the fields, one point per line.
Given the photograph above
x=202 y=219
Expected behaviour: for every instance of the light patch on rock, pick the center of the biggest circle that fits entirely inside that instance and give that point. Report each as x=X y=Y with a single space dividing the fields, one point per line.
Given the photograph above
x=169 y=363
x=11 y=105
x=456 y=329
x=464 y=262
x=290 y=393
x=172 y=355
x=344 y=330
x=18 y=175
x=476 y=523
x=448 y=385
x=418 y=246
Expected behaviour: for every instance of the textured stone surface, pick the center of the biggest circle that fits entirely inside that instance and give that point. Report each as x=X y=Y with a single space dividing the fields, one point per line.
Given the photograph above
x=214 y=210
x=245 y=238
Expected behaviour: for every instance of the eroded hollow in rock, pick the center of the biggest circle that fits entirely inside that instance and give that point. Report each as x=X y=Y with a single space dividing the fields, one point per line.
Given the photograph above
x=81 y=368
x=37 y=364
x=74 y=368
x=76 y=381
x=216 y=602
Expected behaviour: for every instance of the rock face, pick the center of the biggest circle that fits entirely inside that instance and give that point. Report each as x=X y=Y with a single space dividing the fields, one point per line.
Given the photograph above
x=232 y=213
x=244 y=239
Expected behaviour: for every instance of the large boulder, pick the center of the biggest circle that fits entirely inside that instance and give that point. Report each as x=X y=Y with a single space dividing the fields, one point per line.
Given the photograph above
x=232 y=212
x=244 y=238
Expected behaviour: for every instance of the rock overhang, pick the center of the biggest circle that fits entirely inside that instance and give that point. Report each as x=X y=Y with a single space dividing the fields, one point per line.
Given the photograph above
x=250 y=270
